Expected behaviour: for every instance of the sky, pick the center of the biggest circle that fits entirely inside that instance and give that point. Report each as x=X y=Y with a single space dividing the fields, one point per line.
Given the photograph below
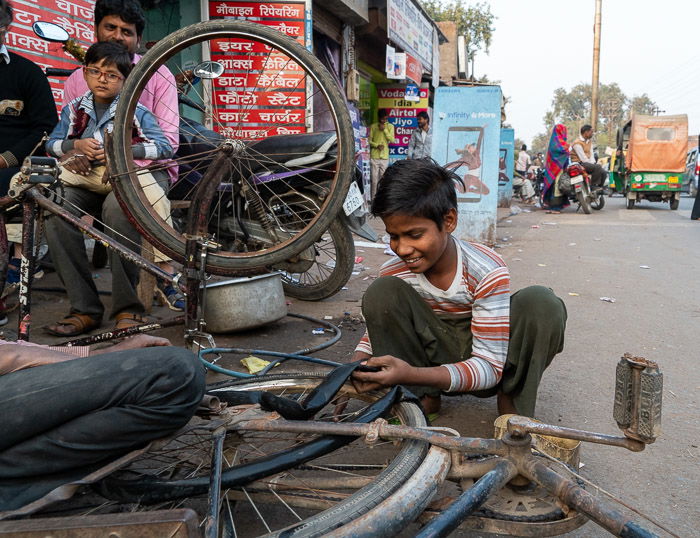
x=647 y=46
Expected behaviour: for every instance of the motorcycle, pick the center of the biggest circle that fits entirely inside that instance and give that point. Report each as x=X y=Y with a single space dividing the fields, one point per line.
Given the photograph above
x=267 y=197
x=575 y=183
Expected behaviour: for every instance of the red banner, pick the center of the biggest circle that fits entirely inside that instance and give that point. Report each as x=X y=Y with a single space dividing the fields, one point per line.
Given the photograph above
x=265 y=10
x=414 y=69
x=259 y=94
x=268 y=98
x=75 y=16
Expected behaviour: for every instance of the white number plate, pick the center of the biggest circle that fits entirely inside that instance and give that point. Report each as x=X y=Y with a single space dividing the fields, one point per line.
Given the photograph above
x=577 y=179
x=353 y=200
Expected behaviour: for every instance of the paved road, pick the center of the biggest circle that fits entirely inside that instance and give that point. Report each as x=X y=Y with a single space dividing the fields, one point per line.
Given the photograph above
x=655 y=315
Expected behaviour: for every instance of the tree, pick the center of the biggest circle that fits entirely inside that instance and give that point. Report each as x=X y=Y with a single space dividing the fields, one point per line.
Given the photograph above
x=642 y=104
x=573 y=109
x=474 y=22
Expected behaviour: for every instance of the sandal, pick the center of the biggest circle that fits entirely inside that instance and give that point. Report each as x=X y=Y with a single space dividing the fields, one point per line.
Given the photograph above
x=126 y=320
x=73 y=324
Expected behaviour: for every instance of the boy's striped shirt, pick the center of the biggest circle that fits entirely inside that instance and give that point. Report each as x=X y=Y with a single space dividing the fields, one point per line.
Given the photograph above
x=480 y=292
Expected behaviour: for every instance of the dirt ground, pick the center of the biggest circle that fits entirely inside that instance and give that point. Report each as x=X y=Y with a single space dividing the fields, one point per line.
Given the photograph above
x=583 y=258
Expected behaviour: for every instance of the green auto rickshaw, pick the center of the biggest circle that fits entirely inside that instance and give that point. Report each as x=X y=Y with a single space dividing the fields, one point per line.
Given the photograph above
x=650 y=159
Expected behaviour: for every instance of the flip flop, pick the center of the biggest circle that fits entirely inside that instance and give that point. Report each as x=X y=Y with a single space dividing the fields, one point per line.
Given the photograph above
x=73 y=325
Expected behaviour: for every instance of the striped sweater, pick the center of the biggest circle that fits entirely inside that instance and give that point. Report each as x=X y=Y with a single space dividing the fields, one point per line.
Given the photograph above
x=480 y=292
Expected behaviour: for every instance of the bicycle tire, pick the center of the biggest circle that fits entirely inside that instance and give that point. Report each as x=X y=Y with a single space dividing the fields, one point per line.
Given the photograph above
x=321 y=281
x=127 y=185
x=582 y=198
x=408 y=457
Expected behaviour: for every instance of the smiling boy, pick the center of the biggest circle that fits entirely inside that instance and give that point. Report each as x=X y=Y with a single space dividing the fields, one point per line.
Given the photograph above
x=441 y=317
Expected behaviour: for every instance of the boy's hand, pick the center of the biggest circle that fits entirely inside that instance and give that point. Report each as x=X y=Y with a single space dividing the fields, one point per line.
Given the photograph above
x=90 y=147
x=392 y=371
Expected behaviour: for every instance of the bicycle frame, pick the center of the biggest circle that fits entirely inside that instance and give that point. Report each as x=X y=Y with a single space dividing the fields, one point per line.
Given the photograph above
x=637 y=412
x=37 y=171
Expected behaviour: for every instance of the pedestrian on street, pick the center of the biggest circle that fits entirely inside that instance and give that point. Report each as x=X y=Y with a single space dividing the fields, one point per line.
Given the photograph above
x=381 y=134
x=520 y=179
x=421 y=139
x=441 y=317
x=555 y=161
x=67 y=411
x=695 y=213
x=524 y=161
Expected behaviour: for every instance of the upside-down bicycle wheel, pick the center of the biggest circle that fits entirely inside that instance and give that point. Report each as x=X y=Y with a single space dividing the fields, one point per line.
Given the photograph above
x=271 y=116
x=308 y=500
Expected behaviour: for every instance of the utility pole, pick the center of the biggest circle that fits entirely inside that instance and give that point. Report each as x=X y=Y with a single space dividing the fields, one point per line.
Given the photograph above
x=596 y=64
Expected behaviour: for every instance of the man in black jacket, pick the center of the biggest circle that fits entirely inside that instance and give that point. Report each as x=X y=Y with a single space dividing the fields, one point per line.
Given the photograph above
x=27 y=108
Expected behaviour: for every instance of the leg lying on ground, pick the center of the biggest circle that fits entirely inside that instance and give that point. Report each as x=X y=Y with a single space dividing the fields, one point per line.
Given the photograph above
x=61 y=421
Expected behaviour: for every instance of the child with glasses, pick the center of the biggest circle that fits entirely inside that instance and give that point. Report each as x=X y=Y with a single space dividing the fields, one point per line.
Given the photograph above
x=84 y=122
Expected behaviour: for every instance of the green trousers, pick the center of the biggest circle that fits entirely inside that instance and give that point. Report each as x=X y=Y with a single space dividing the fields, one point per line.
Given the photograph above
x=400 y=323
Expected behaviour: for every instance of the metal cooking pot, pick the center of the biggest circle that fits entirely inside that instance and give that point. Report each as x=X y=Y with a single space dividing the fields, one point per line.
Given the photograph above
x=244 y=303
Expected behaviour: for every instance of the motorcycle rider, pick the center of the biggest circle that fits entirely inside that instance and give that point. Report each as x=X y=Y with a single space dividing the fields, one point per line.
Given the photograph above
x=582 y=153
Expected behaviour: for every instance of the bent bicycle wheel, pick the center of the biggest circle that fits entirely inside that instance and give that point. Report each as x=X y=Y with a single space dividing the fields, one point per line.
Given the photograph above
x=307 y=500
x=267 y=124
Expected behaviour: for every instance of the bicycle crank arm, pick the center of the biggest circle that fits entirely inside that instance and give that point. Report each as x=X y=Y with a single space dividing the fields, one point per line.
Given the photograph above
x=520 y=426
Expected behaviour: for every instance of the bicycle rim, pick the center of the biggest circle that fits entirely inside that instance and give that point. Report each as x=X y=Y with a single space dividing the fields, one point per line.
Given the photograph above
x=324 y=268
x=305 y=501
x=270 y=85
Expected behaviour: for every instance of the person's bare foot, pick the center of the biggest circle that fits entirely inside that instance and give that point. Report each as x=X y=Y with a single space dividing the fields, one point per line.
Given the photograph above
x=505 y=404
x=431 y=404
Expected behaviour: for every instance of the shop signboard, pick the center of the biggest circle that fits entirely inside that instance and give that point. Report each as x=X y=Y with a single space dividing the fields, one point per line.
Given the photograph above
x=260 y=94
x=75 y=16
x=414 y=70
x=466 y=138
x=408 y=27
x=506 y=161
x=402 y=114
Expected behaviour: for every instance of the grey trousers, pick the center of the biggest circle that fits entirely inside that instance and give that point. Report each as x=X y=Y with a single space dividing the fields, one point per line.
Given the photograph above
x=377 y=169
x=67 y=247
x=400 y=323
x=62 y=421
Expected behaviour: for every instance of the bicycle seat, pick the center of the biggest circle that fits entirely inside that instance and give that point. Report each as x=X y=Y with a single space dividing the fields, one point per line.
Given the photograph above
x=293 y=150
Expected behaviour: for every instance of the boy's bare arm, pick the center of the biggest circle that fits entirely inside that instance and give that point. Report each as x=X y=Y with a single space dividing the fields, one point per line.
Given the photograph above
x=394 y=371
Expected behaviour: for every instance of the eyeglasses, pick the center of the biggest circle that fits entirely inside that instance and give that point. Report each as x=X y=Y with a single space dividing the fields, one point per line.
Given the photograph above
x=112 y=78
